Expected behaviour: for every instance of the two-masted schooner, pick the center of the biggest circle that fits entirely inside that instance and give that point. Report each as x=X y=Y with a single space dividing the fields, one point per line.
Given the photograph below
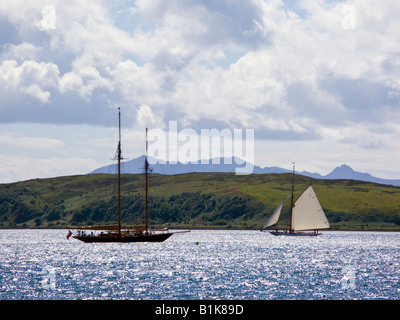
x=306 y=215
x=118 y=233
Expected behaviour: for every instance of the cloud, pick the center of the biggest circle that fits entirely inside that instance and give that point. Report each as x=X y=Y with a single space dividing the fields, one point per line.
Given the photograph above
x=20 y=52
x=31 y=78
x=59 y=70
x=22 y=168
x=35 y=143
x=315 y=70
x=146 y=118
x=306 y=66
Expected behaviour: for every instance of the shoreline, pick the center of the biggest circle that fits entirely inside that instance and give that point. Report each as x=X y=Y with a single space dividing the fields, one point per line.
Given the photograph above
x=209 y=228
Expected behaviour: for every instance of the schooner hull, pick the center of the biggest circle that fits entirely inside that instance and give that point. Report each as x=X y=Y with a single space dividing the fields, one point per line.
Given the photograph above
x=117 y=238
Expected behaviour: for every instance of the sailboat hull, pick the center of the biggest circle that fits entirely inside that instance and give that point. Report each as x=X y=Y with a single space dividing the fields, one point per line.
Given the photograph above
x=124 y=238
x=295 y=233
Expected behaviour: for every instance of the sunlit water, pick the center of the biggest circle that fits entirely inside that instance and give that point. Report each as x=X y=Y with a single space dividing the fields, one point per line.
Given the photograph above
x=42 y=264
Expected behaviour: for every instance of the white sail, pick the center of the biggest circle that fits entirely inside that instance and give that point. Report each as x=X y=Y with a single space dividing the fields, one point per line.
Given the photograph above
x=308 y=213
x=275 y=216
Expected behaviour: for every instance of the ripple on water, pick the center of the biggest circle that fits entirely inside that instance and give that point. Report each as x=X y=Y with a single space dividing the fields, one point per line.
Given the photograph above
x=201 y=265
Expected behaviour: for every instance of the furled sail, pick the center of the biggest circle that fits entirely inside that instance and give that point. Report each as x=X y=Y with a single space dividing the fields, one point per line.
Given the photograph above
x=308 y=213
x=275 y=216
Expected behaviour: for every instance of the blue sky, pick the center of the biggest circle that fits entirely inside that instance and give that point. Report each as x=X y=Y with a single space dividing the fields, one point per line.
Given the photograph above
x=316 y=80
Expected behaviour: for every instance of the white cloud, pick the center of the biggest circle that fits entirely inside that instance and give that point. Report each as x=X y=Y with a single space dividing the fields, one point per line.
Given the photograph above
x=36 y=92
x=146 y=117
x=20 y=52
x=36 y=143
x=299 y=72
x=70 y=82
x=20 y=168
x=30 y=77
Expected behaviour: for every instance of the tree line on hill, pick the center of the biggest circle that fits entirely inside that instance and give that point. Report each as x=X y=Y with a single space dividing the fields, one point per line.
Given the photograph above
x=184 y=209
x=226 y=202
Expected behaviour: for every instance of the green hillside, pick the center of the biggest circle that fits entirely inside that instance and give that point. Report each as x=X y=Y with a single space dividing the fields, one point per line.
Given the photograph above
x=197 y=200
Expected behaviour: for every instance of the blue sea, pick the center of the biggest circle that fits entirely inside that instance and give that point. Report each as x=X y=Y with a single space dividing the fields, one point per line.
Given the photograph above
x=201 y=265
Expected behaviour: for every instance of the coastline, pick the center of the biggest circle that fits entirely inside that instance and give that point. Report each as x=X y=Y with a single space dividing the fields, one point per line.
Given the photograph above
x=212 y=229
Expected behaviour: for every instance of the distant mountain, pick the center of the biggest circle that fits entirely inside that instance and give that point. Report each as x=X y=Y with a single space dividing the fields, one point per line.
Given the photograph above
x=136 y=166
x=345 y=172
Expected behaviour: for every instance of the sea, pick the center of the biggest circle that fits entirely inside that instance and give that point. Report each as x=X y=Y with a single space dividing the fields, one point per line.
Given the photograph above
x=201 y=265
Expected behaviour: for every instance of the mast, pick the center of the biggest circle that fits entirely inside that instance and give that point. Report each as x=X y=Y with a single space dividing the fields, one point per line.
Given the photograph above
x=119 y=171
x=146 y=164
x=291 y=203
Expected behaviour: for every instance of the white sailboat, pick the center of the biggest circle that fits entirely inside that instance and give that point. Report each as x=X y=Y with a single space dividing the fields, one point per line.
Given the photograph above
x=306 y=215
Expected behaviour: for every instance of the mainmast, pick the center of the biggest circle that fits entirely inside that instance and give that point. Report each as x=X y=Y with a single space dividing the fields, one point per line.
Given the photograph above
x=291 y=202
x=119 y=171
x=146 y=165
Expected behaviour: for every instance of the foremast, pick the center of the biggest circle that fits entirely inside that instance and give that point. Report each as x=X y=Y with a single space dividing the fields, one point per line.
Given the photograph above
x=119 y=156
x=146 y=165
x=292 y=203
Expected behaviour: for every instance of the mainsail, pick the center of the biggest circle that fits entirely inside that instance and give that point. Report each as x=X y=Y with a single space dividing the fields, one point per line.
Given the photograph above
x=307 y=212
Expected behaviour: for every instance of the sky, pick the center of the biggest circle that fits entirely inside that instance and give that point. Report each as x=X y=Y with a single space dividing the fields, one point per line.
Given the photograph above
x=316 y=80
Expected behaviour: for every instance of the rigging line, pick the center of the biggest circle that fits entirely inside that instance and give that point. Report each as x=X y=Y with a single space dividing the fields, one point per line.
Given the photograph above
x=109 y=153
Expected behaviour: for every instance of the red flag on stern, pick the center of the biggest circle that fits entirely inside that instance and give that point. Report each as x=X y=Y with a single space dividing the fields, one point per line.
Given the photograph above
x=69 y=234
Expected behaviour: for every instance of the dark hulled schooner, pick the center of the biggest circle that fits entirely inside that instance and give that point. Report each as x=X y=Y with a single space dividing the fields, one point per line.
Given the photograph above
x=118 y=233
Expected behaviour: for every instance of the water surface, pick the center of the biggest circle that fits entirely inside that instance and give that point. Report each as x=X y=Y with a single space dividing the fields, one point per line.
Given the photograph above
x=202 y=264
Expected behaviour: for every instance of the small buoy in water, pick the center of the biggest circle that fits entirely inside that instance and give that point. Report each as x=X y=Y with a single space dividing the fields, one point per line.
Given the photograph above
x=197 y=243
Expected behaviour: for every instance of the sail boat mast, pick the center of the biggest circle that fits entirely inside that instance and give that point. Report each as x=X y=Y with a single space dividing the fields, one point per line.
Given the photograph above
x=306 y=214
x=147 y=168
x=119 y=171
x=129 y=233
x=292 y=202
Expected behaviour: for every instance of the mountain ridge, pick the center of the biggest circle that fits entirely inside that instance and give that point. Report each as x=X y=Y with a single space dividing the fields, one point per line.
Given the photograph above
x=136 y=166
